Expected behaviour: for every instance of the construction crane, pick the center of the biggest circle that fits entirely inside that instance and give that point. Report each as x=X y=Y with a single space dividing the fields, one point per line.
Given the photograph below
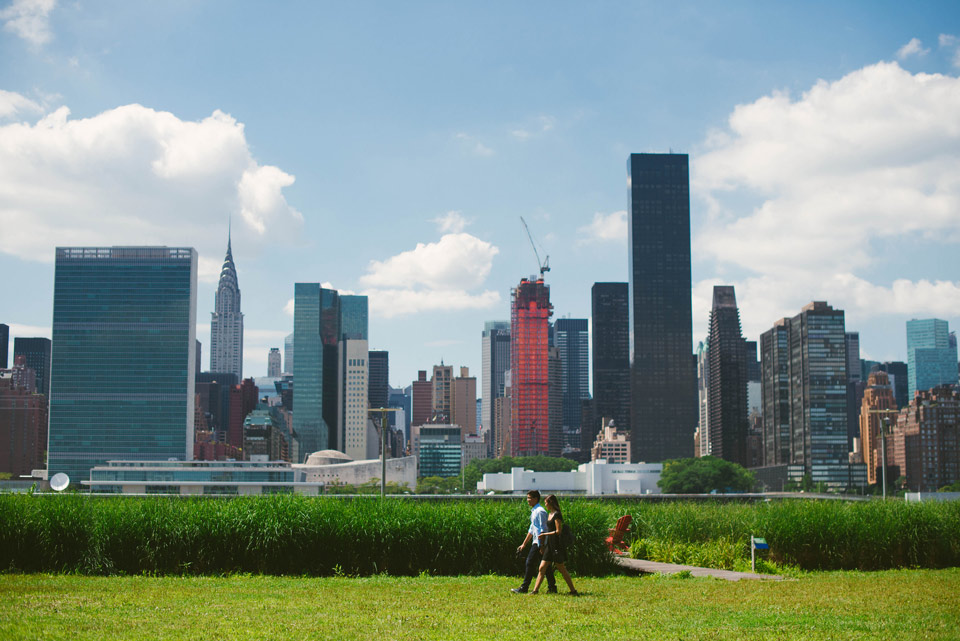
x=545 y=265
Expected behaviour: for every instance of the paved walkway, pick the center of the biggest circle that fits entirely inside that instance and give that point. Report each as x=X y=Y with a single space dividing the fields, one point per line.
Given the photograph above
x=652 y=567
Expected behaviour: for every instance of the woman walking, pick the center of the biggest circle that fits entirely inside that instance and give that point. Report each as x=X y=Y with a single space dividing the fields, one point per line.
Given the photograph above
x=554 y=548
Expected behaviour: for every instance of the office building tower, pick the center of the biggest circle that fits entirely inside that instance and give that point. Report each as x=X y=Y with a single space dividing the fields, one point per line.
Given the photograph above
x=727 y=359
x=877 y=410
x=663 y=413
x=422 y=399
x=856 y=385
x=572 y=341
x=213 y=390
x=308 y=370
x=354 y=398
x=610 y=309
x=4 y=344
x=196 y=367
x=226 y=322
x=503 y=416
x=23 y=421
x=134 y=308
x=243 y=400
x=379 y=373
x=495 y=361
x=611 y=445
x=400 y=398
x=36 y=351
x=530 y=312
x=273 y=363
x=897 y=372
x=926 y=440
x=804 y=394
x=464 y=402
x=555 y=436
x=288 y=354
x=931 y=361
x=440 y=450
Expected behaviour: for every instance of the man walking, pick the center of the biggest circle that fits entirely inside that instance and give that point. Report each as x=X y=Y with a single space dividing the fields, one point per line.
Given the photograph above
x=538 y=524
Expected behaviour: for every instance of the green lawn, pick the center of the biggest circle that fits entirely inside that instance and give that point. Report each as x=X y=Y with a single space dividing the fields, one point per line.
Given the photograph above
x=906 y=604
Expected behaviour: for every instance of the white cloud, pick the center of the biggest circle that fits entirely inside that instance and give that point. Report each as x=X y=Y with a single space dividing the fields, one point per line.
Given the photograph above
x=132 y=175
x=912 y=48
x=541 y=125
x=947 y=40
x=12 y=103
x=520 y=134
x=604 y=228
x=451 y=222
x=27 y=331
x=440 y=276
x=456 y=261
x=29 y=19
x=288 y=308
x=870 y=157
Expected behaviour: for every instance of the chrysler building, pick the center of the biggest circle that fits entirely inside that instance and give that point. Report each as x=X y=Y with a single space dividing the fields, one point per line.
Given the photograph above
x=226 y=322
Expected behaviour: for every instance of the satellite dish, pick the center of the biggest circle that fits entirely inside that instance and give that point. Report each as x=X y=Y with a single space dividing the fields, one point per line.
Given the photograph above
x=59 y=482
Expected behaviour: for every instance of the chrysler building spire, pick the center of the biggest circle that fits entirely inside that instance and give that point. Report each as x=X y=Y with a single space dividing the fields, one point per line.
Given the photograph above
x=226 y=321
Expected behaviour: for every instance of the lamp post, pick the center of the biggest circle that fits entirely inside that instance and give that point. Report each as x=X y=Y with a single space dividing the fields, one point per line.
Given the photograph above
x=883 y=445
x=383 y=445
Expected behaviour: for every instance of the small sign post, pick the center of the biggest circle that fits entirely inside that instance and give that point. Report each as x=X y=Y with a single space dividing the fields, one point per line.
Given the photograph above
x=756 y=543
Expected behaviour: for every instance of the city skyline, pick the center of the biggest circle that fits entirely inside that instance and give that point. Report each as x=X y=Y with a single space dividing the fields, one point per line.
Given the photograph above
x=460 y=146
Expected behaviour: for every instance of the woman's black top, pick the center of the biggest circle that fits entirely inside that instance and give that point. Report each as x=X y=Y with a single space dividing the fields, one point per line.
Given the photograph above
x=554 y=549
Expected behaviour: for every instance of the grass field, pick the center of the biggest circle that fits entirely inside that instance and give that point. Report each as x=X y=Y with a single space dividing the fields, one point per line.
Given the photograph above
x=898 y=604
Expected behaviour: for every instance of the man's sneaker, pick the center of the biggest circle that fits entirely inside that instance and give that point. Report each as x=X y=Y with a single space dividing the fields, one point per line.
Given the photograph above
x=518 y=591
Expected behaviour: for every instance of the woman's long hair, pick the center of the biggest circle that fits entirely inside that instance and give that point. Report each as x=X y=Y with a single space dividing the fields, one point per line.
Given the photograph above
x=552 y=502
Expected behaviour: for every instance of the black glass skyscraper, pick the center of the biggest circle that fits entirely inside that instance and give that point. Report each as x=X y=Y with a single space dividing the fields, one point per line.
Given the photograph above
x=37 y=353
x=728 y=365
x=663 y=414
x=611 y=356
x=4 y=343
x=571 y=338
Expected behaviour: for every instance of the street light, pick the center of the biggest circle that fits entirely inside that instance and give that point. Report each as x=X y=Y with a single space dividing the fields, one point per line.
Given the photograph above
x=383 y=445
x=883 y=444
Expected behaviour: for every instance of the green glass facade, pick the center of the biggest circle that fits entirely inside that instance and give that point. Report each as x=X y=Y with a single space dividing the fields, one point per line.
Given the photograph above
x=440 y=451
x=123 y=362
x=308 y=421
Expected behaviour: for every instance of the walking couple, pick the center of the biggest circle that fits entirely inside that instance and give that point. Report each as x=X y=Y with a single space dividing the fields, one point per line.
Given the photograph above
x=547 y=546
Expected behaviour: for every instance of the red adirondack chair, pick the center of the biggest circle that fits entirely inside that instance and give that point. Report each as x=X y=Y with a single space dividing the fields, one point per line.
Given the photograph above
x=615 y=540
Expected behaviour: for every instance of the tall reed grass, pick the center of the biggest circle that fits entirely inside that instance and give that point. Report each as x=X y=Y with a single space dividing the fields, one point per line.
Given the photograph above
x=811 y=535
x=279 y=535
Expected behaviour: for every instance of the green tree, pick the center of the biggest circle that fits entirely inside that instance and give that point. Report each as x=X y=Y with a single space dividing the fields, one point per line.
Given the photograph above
x=475 y=470
x=704 y=475
x=953 y=487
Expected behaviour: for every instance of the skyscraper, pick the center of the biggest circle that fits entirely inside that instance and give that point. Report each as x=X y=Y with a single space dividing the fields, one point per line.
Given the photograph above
x=37 y=354
x=273 y=362
x=495 y=361
x=226 y=322
x=379 y=378
x=663 y=414
x=702 y=444
x=877 y=398
x=727 y=357
x=134 y=308
x=288 y=354
x=529 y=318
x=931 y=361
x=4 y=344
x=572 y=341
x=463 y=405
x=421 y=391
x=354 y=398
x=308 y=421
x=443 y=393
x=610 y=305
x=804 y=366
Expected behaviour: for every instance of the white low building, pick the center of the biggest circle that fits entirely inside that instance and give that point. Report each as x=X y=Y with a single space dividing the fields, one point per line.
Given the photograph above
x=331 y=466
x=596 y=477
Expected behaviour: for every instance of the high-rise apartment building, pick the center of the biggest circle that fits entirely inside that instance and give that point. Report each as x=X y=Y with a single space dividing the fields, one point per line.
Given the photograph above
x=134 y=308
x=36 y=351
x=494 y=361
x=530 y=311
x=422 y=400
x=610 y=312
x=876 y=410
x=926 y=440
x=804 y=367
x=702 y=441
x=379 y=377
x=354 y=398
x=464 y=402
x=442 y=380
x=555 y=440
x=571 y=337
x=663 y=414
x=226 y=322
x=273 y=363
x=243 y=400
x=727 y=360
x=931 y=361
x=23 y=421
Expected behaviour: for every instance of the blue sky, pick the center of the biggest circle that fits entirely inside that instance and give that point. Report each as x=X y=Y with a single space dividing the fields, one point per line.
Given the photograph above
x=391 y=148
